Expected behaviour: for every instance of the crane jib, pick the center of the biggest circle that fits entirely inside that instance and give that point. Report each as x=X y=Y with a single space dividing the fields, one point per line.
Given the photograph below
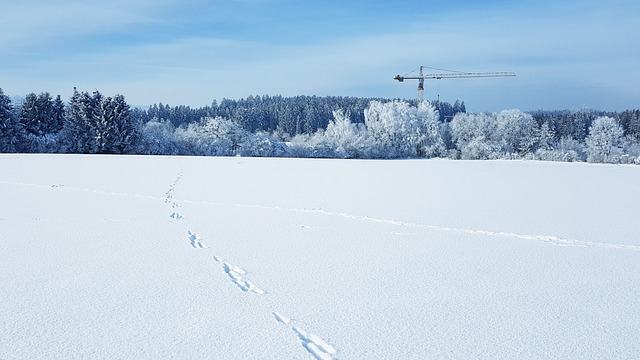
x=453 y=76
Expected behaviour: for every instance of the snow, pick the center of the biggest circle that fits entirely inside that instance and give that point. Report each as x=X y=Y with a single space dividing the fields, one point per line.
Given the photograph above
x=246 y=258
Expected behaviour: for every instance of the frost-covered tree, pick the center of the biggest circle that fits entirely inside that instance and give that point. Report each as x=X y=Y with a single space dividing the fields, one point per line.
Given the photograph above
x=431 y=139
x=262 y=144
x=572 y=149
x=157 y=138
x=9 y=126
x=211 y=137
x=397 y=129
x=517 y=131
x=348 y=140
x=546 y=137
x=605 y=141
x=475 y=135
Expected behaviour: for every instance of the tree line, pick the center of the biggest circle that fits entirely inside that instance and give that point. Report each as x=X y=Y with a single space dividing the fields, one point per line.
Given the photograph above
x=311 y=126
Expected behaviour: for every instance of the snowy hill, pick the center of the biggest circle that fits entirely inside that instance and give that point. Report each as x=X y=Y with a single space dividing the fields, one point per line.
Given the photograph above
x=244 y=258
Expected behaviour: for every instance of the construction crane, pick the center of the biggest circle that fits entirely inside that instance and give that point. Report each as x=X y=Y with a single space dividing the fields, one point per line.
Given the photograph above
x=451 y=74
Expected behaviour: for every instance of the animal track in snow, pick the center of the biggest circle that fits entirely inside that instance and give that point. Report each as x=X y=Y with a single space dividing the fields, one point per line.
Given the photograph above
x=238 y=276
x=176 y=216
x=314 y=344
x=281 y=318
x=169 y=194
x=195 y=240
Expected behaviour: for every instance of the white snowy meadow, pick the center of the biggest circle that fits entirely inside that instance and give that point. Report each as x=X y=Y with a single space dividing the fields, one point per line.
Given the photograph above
x=261 y=258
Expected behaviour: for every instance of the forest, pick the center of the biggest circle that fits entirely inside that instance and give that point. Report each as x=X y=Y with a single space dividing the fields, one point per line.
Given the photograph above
x=312 y=126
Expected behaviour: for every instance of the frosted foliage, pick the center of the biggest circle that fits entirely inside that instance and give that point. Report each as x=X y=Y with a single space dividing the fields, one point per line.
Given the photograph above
x=262 y=145
x=346 y=138
x=517 y=131
x=210 y=137
x=474 y=135
x=157 y=138
x=604 y=143
x=397 y=129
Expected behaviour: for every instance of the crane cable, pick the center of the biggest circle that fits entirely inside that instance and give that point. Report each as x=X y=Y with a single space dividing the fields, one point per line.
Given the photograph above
x=435 y=68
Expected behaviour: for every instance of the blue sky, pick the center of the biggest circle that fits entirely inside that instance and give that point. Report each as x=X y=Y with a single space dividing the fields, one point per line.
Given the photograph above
x=566 y=54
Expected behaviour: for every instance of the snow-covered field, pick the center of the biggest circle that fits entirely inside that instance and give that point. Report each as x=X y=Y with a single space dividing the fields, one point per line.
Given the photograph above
x=127 y=257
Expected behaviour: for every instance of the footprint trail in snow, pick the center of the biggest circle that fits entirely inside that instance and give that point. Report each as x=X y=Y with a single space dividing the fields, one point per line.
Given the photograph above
x=169 y=195
x=195 y=240
x=238 y=277
x=314 y=344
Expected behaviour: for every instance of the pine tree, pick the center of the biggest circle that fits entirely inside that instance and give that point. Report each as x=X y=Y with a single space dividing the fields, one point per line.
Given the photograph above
x=57 y=120
x=121 y=134
x=29 y=114
x=38 y=115
x=95 y=124
x=9 y=126
x=76 y=129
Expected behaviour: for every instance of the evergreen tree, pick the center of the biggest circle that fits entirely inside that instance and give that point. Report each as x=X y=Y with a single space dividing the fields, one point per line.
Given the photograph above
x=98 y=125
x=29 y=115
x=630 y=121
x=120 y=132
x=9 y=126
x=58 y=110
x=41 y=115
x=76 y=131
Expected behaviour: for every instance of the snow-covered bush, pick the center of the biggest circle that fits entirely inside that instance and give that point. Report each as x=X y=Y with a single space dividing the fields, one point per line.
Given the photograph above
x=572 y=149
x=310 y=146
x=41 y=144
x=262 y=144
x=631 y=150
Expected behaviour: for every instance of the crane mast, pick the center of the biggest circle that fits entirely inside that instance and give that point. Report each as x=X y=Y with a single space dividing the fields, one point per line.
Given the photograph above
x=451 y=75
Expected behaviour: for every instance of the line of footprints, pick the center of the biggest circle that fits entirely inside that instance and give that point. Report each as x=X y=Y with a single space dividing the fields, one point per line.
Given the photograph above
x=314 y=344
